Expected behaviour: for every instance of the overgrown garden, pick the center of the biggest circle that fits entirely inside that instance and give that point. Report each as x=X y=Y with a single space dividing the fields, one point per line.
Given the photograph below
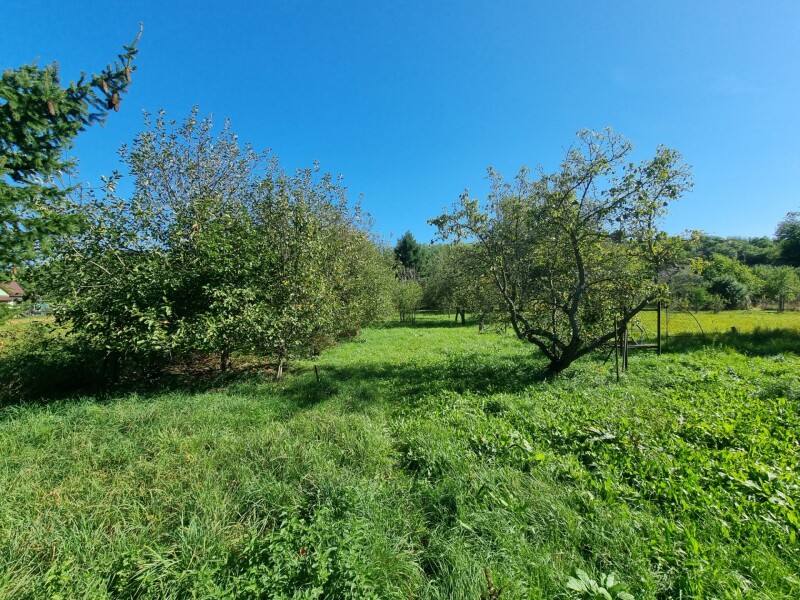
x=426 y=461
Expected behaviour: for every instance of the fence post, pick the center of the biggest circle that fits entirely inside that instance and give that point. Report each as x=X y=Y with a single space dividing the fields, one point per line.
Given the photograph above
x=658 y=329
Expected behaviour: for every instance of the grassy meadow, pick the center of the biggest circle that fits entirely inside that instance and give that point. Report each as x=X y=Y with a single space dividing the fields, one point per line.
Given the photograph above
x=427 y=461
x=682 y=323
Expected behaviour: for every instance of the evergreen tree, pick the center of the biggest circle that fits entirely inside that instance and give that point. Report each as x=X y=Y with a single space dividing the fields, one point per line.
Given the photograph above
x=408 y=252
x=39 y=120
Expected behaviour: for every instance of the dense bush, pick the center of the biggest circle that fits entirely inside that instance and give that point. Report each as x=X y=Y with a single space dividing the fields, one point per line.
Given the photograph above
x=733 y=292
x=42 y=361
x=218 y=250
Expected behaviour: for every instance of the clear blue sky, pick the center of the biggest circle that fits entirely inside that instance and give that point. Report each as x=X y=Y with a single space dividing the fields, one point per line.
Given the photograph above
x=411 y=101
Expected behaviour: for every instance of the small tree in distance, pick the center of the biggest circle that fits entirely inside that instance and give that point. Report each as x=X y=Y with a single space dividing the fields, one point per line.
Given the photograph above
x=575 y=254
x=457 y=282
x=779 y=284
x=407 y=298
x=408 y=252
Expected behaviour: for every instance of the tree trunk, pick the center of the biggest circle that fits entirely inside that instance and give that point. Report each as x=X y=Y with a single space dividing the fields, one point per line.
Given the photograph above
x=112 y=363
x=562 y=362
x=556 y=366
x=224 y=360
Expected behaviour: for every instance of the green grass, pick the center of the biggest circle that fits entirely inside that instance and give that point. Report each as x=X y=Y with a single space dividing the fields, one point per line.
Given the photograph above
x=747 y=321
x=426 y=462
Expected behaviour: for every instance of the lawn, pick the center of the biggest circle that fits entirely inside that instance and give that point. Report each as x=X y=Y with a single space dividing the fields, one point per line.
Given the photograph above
x=428 y=461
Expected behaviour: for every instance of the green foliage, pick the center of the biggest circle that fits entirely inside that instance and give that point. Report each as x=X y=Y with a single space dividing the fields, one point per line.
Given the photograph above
x=788 y=236
x=609 y=588
x=574 y=255
x=715 y=275
x=734 y=293
x=748 y=251
x=37 y=360
x=407 y=299
x=217 y=251
x=689 y=289
x=731 y=279
x=458 y=282
x=429 y=257
x=39 y=121
x=778 y=284
x=6 y=312
x=408 y=252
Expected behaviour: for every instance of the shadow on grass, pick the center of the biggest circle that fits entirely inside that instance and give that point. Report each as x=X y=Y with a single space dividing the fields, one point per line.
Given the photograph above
x=46 y=366
x=428 y=322
x=407 y=384
x=50 y=370
x=55 y=375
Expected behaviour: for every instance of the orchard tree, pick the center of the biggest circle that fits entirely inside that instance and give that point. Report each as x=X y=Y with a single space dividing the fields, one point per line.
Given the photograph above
x=458 y=282
x=575 y=254
x=218 y=250
x=779 y=284
x=361 y=279
x=39 y=121
x=407 y=299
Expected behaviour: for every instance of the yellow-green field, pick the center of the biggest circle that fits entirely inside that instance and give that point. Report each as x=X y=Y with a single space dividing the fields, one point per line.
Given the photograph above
x=675 y=323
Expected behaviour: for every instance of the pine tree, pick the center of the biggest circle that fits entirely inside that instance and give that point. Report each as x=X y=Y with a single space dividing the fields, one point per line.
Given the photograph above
x=39 y=120
x=408 y=252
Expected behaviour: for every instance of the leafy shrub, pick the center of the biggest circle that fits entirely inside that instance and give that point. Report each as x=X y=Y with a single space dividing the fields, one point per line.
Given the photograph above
x=217 y=251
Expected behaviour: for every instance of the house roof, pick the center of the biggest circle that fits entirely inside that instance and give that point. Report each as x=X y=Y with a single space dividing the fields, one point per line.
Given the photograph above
x=12 y=291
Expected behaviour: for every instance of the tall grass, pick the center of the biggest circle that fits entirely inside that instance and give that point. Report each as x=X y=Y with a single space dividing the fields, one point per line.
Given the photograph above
x=427 y=461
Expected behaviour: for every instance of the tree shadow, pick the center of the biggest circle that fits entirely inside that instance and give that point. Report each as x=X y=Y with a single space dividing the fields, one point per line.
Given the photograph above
x=54 y=369
x=47 y=373
x=427 y=322
x=406 y=385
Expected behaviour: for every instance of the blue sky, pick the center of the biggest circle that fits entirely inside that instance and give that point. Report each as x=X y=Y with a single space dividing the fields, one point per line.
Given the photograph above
x=412 y=101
